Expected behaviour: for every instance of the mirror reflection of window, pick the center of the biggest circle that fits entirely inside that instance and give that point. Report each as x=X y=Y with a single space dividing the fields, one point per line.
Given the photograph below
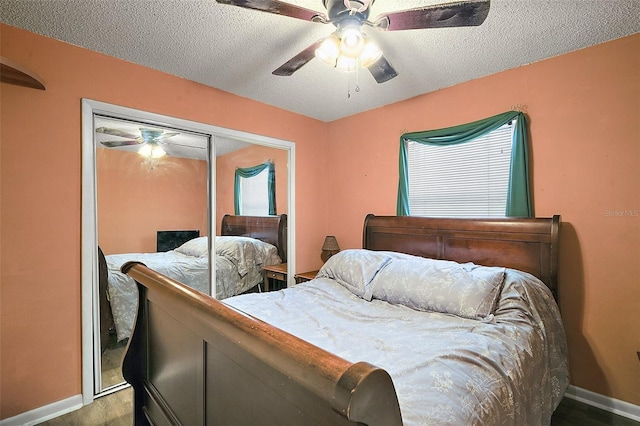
x=253 y=195
x=255 y=190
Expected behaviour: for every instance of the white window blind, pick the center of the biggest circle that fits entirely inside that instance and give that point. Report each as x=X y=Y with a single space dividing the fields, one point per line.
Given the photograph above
x=465 y=180
x=254 y=194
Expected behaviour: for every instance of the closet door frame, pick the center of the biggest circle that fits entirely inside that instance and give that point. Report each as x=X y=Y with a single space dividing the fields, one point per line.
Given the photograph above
x=91 y=374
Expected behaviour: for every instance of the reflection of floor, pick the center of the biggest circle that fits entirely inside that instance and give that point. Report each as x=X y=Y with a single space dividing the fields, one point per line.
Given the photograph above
x=115 y=409
x=112 y=362
x=112 y=409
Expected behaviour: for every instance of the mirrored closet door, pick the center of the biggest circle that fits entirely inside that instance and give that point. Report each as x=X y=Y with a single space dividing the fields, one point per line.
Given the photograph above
x=150 y=184
x=152 y=197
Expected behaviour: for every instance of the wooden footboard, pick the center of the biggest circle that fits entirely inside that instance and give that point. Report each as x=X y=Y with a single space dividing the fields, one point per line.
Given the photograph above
x=193 y=360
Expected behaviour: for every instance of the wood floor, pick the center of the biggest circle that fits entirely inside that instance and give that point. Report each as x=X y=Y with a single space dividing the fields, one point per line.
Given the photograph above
x=574 y=413
x=115 y=410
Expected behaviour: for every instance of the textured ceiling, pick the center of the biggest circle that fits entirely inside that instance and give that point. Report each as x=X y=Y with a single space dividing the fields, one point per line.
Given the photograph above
x=235 y=49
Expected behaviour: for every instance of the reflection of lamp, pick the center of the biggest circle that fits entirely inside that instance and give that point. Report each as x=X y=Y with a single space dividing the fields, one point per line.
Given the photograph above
x=329 y=248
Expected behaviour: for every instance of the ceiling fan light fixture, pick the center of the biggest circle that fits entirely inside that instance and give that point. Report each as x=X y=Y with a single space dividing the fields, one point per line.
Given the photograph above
x=370 y=54
x=346 y=63
x=329 y=50
x=352 y=41
x=151 y=151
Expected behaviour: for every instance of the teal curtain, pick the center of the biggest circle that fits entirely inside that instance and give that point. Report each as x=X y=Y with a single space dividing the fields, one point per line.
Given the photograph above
x=251 y=172
x=518 y=197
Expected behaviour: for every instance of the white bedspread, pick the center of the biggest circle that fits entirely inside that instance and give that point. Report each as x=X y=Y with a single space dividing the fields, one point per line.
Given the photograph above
x=238 y=263
x=509 y=369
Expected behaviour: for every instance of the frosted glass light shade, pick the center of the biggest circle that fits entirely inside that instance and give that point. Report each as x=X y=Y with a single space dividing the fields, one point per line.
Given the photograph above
x=150 y=150
x=370 y=54
x=329 y=50
x=347 y=49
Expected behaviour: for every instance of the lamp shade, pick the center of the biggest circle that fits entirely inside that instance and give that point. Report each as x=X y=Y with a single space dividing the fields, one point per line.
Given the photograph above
x=329 y=248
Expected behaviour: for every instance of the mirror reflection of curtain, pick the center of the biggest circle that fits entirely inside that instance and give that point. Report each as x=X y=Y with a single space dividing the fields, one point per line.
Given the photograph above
x=255 y=190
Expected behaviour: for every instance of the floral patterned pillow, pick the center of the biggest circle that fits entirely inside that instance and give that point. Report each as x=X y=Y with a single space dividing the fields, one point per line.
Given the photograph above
x=466 y=290
x=355 y=269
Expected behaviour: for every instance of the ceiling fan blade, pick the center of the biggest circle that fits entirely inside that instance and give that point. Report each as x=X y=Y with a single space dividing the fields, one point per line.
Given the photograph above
x=279 y=8
x=113 y=144
x=382 y=70
x=116 y=132
x=165 y=136
x=459 y=14
x=173 y=144
x=298 y=61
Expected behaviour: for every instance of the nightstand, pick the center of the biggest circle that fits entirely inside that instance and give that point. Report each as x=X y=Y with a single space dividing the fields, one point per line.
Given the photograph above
x=274 y=277
x=305 y=276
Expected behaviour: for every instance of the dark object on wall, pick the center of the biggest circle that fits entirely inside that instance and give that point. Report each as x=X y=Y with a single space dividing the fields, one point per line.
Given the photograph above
x=13 y=73
x=168 y=240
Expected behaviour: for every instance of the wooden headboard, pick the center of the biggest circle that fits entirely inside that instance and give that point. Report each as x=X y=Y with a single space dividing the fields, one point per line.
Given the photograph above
x=526 y=244
x=270 y=229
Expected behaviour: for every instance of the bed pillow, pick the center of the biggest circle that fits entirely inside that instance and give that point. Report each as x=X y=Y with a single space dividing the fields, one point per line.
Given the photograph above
x=465 y=290
x=354 y=269
x=197 y=247
x=266 y=253
x=246 y=253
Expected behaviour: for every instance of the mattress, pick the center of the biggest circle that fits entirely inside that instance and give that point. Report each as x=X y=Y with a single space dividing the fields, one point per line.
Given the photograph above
x=450 y=365
x=238 y=265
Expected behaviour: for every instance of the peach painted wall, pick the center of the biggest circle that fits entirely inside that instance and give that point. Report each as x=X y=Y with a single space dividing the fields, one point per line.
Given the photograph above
x=136 y=199
x=40 y=309
x=247 y=157
x=583 y=110
x=584 y=115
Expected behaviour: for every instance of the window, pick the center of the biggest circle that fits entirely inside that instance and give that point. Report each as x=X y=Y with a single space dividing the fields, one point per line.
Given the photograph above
x=255 y=193
x=477 y=169
x=463 y=180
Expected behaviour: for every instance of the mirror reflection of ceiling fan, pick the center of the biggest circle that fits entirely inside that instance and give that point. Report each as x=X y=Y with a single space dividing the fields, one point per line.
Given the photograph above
x=149 y=140
x=348 y=47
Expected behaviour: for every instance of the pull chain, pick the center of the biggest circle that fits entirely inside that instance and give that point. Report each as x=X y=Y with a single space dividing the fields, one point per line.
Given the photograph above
x=357 y=88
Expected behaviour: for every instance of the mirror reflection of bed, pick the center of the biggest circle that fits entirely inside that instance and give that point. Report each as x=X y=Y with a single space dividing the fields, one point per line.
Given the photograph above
x=245 y=245
x=140 y=200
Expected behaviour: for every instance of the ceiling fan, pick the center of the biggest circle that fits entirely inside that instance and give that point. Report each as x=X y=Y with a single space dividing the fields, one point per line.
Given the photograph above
x=148 y=140
x=348 y=46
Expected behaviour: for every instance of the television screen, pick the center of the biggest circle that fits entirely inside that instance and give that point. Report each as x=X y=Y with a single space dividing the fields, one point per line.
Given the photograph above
x=168 y=240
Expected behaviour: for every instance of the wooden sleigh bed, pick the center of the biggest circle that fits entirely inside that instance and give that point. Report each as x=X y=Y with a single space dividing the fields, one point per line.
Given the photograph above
x=194 y=360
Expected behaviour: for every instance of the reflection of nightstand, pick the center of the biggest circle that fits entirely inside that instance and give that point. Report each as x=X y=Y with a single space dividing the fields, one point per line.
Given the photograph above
x=305 y=276
x=274 y=277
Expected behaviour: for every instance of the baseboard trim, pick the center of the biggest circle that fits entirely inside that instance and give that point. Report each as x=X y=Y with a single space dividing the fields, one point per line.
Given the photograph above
x=48 y=412
x=615 y=406
x=44 y=413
